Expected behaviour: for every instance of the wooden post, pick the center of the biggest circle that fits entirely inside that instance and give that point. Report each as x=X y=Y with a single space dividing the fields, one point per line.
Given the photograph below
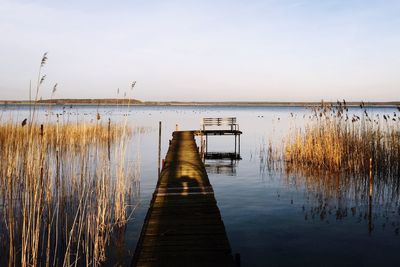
x=201 y=143
x=159 y=148
x=235 y=144
x=206 y=143
x=203 y=154
x=239 y=144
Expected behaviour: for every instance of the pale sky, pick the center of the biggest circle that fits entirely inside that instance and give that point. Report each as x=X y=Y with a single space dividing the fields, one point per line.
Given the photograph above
x=271 y=50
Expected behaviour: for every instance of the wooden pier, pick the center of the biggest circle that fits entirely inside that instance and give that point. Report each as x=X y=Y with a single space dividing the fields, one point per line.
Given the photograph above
x=183 y=226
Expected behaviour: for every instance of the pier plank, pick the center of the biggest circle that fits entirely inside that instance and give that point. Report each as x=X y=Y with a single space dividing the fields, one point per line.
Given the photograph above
x=183 y=226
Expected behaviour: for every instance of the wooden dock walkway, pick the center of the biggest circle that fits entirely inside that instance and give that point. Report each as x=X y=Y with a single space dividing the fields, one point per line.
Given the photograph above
x=183 y=226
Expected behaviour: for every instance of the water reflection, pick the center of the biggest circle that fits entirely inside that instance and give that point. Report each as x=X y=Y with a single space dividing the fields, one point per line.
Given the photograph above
x=225 y=167
x=330 y=197
x=368 y=195
x=266 y=219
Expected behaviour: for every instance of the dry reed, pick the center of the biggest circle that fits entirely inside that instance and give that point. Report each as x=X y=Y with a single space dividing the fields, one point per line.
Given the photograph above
x=338 y=141
x=329 y=158
x=62 y=191
x=63 y=188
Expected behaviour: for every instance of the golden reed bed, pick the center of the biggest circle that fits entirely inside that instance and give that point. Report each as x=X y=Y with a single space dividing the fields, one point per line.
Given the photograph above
x=63 y=189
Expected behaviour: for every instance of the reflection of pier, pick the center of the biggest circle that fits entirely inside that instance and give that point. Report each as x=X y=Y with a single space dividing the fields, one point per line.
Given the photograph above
x=183 y=226
x=221 y=166
x=222 y=156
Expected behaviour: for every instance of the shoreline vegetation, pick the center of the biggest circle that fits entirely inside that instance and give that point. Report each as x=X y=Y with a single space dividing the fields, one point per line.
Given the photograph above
x=335 y=140
x=67 y=189
x=348 y=162
x=136 y=102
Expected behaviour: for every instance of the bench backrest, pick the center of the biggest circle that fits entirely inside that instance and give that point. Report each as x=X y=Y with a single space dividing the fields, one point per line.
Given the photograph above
x=219 y=122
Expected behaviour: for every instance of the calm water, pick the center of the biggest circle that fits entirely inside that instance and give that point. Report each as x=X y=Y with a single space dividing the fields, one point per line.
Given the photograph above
x=271 y=218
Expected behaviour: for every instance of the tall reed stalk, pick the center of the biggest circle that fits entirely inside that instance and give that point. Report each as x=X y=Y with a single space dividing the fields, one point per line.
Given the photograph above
x=63 y=188
x=61 y=194
x=338 y=141
x=347 y=160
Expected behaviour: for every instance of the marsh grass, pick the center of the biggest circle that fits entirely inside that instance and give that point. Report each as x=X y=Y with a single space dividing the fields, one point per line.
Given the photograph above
x=64 y=187
x=347 y=161
x=337 y=141
x=63 y=190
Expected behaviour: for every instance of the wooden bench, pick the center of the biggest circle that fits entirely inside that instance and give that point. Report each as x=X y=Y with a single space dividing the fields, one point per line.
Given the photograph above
x=209 y=122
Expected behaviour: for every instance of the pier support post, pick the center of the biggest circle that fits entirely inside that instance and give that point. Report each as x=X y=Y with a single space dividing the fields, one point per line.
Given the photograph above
x=239 y=144
x=202 y=142
x=206 y=143
x=235 y=143
x=159 y=148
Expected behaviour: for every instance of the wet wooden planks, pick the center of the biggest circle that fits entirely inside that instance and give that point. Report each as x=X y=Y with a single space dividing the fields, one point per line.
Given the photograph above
x=183 y=226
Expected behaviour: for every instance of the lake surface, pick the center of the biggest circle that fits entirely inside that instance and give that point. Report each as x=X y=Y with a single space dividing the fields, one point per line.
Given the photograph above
x=272 y=218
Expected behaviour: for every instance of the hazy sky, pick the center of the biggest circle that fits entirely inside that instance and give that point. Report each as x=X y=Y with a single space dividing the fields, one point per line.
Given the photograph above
x=271 y=50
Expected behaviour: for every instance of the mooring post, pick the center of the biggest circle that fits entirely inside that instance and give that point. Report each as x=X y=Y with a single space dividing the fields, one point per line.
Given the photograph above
x=159 y=147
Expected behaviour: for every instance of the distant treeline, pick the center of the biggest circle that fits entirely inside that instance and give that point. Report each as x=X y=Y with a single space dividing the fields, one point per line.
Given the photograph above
x=115 y=101
x=272 y=104
x=106 y=101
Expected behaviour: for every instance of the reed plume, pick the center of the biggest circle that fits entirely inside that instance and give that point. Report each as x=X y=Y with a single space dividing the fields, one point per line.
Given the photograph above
x=338 y=141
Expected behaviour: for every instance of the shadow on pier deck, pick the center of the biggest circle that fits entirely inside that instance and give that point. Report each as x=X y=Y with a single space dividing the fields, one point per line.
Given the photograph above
x=183 y=226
